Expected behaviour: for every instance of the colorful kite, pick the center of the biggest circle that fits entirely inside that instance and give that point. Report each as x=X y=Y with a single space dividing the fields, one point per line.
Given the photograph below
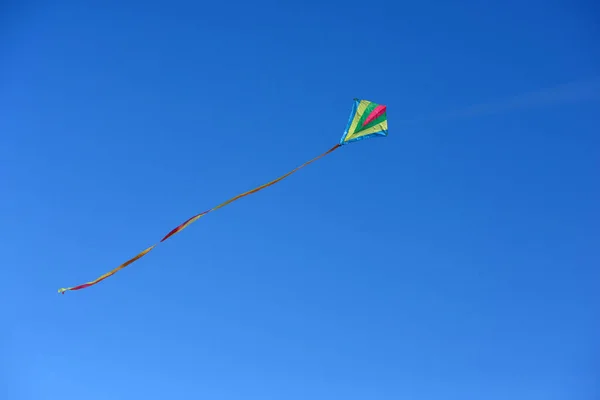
x=367 y=120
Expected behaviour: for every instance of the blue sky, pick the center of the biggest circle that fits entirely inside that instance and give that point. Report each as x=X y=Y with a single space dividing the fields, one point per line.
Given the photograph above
x=455 y=259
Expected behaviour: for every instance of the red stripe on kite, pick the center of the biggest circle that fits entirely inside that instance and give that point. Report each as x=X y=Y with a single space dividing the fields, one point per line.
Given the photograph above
x=375 y=114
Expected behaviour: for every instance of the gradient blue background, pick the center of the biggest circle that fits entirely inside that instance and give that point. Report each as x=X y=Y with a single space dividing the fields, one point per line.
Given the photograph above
x=455 y=259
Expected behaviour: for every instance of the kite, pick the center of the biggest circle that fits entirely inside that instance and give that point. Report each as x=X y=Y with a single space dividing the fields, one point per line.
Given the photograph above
x=367 y=120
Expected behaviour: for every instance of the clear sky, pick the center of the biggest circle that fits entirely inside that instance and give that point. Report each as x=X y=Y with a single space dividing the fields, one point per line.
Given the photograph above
x=455 y=259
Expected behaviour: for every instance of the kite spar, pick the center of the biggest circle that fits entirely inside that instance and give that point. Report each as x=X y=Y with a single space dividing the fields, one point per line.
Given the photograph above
x=367 y=120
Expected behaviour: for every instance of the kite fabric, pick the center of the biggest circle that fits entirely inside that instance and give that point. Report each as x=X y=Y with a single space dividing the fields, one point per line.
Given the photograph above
x=367 y=120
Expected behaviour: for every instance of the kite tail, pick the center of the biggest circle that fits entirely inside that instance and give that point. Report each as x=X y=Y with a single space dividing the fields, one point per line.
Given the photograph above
x=194 y=219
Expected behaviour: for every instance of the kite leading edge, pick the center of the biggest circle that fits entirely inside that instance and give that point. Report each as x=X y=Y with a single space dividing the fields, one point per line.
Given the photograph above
x=367 y=120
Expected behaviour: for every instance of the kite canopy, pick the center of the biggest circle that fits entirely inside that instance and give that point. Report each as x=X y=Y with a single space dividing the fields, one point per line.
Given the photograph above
x=367 y=120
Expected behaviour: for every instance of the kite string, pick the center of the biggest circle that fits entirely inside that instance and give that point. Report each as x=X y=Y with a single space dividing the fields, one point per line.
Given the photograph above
x=195 y=218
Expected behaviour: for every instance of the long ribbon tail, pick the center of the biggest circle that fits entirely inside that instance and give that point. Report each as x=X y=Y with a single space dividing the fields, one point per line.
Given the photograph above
x=193 y=219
